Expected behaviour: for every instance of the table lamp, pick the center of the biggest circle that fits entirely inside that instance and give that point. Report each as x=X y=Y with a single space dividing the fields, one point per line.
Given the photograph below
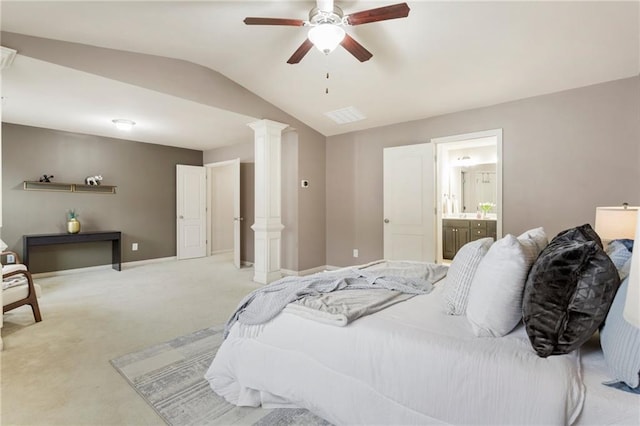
x=614 y=223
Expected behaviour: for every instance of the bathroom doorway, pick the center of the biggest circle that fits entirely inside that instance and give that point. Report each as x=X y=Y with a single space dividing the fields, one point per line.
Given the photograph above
x=468 y=190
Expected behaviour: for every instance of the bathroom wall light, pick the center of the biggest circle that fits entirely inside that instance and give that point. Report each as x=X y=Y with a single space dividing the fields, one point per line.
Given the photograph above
x=122 y=124
x=464 y=161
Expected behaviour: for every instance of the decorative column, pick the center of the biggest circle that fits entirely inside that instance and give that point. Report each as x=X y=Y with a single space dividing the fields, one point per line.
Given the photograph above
x=268 y=221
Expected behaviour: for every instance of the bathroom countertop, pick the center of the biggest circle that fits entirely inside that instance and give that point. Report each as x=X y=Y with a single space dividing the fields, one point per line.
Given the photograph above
x=469 y=216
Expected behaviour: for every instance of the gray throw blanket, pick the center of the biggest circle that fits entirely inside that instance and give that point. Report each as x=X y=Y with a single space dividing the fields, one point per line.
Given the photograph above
x=340 y=308
x=265 y=303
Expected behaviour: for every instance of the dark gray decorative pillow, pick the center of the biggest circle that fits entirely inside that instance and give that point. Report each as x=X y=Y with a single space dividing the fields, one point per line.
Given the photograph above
x=580 y=233
x=568 y=292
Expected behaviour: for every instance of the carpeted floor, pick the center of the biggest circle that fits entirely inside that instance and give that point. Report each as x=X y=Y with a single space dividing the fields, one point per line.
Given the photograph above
x=57 y=372
x=169 y=376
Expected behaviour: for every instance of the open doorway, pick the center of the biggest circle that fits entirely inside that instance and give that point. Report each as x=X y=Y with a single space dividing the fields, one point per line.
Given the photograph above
x=223 y=209
x=468 y=190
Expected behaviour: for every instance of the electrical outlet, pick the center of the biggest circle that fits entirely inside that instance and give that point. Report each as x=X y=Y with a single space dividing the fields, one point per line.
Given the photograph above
x=355 y=252
x=11 y=258
x=134 y=247
x=304 y=183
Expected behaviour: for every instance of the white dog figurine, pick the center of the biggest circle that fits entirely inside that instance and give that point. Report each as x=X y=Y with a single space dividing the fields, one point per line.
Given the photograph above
x=93 y=180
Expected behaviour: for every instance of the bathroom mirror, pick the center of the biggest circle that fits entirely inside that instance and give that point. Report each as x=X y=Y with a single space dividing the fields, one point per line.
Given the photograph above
x=475 y=184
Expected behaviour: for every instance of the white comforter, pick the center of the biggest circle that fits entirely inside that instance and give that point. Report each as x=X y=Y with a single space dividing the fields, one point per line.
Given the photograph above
x=408 y=364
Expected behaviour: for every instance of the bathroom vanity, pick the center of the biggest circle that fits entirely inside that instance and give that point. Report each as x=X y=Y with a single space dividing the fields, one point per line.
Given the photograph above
x=456 y=232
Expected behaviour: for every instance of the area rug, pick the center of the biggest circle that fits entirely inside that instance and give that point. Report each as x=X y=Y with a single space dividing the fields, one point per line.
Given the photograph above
x=169 y=376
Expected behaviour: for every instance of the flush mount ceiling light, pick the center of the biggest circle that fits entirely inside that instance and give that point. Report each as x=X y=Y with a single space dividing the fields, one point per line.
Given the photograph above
x=122 y=124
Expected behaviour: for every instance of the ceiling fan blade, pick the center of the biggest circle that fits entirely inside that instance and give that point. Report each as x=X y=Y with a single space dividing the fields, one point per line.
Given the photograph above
x=274 y=21
x=400 y=10
x=356 y=49
x=302 y=50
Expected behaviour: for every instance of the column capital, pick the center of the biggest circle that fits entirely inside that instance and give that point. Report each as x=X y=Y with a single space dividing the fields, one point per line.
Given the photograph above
x=264 y=125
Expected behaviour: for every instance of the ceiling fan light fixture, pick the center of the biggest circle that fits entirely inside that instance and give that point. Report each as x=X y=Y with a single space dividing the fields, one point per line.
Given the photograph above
x=326 y=37
x=122 y=124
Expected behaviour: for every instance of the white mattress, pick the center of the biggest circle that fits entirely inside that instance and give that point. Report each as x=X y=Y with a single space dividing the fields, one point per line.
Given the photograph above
x=408 y=364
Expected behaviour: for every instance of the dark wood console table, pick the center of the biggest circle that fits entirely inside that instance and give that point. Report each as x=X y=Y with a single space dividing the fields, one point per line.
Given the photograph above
x=82 y=237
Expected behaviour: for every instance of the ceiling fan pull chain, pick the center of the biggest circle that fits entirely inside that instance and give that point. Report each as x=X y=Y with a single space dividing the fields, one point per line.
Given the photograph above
x=326 y=90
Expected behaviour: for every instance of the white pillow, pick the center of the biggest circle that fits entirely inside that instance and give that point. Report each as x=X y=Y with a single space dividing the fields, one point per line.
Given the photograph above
x=495 y=297
x=460 y=274
x=538 y=236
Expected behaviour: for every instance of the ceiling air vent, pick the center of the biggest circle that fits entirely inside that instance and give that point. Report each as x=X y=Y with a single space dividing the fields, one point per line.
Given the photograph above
x=8 y=55
x=345 y=115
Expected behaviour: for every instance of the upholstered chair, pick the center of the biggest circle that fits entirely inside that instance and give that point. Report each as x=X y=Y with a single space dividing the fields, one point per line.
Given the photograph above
x=18 y=288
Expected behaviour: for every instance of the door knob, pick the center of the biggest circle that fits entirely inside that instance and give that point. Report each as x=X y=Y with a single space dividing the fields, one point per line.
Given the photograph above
x=386 y=220
x=238 y=219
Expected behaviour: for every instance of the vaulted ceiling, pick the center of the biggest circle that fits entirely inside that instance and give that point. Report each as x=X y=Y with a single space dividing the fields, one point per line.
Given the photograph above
x=445 y=57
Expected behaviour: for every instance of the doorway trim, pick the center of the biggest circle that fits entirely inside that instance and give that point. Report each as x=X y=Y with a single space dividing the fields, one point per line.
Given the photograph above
x=439 y=144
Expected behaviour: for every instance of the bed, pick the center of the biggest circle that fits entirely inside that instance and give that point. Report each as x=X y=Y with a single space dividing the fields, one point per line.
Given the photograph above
x=413 y=363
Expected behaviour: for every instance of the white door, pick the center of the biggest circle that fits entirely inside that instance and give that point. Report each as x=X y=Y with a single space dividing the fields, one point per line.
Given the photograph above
x=191 y=202
x=237 y=219
x=409 y=208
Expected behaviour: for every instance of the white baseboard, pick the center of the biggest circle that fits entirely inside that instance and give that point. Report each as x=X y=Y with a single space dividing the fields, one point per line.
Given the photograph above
x=214 y=252
x=333 y=268
x=290 y=272
x=101 y=267
x=148 y=261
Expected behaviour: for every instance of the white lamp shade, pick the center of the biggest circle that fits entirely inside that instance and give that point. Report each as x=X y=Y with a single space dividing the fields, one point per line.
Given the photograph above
x=326 y=37
x=616 y=222
x=632 y=305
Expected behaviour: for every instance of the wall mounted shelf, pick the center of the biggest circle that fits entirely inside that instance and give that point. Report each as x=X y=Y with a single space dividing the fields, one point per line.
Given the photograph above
x=29 y=185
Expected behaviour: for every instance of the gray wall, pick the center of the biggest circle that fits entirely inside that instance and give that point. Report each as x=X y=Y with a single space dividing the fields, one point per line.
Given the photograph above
x=247 y=200
x=563 y=153
x=143 y=208
x=290 y=249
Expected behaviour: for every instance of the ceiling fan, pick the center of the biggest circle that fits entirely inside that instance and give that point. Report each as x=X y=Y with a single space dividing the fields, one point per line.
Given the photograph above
x=327 y=32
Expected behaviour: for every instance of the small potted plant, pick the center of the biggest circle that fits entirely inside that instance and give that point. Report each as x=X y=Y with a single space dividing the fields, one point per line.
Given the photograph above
x=486 y=208
x=73 y=225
